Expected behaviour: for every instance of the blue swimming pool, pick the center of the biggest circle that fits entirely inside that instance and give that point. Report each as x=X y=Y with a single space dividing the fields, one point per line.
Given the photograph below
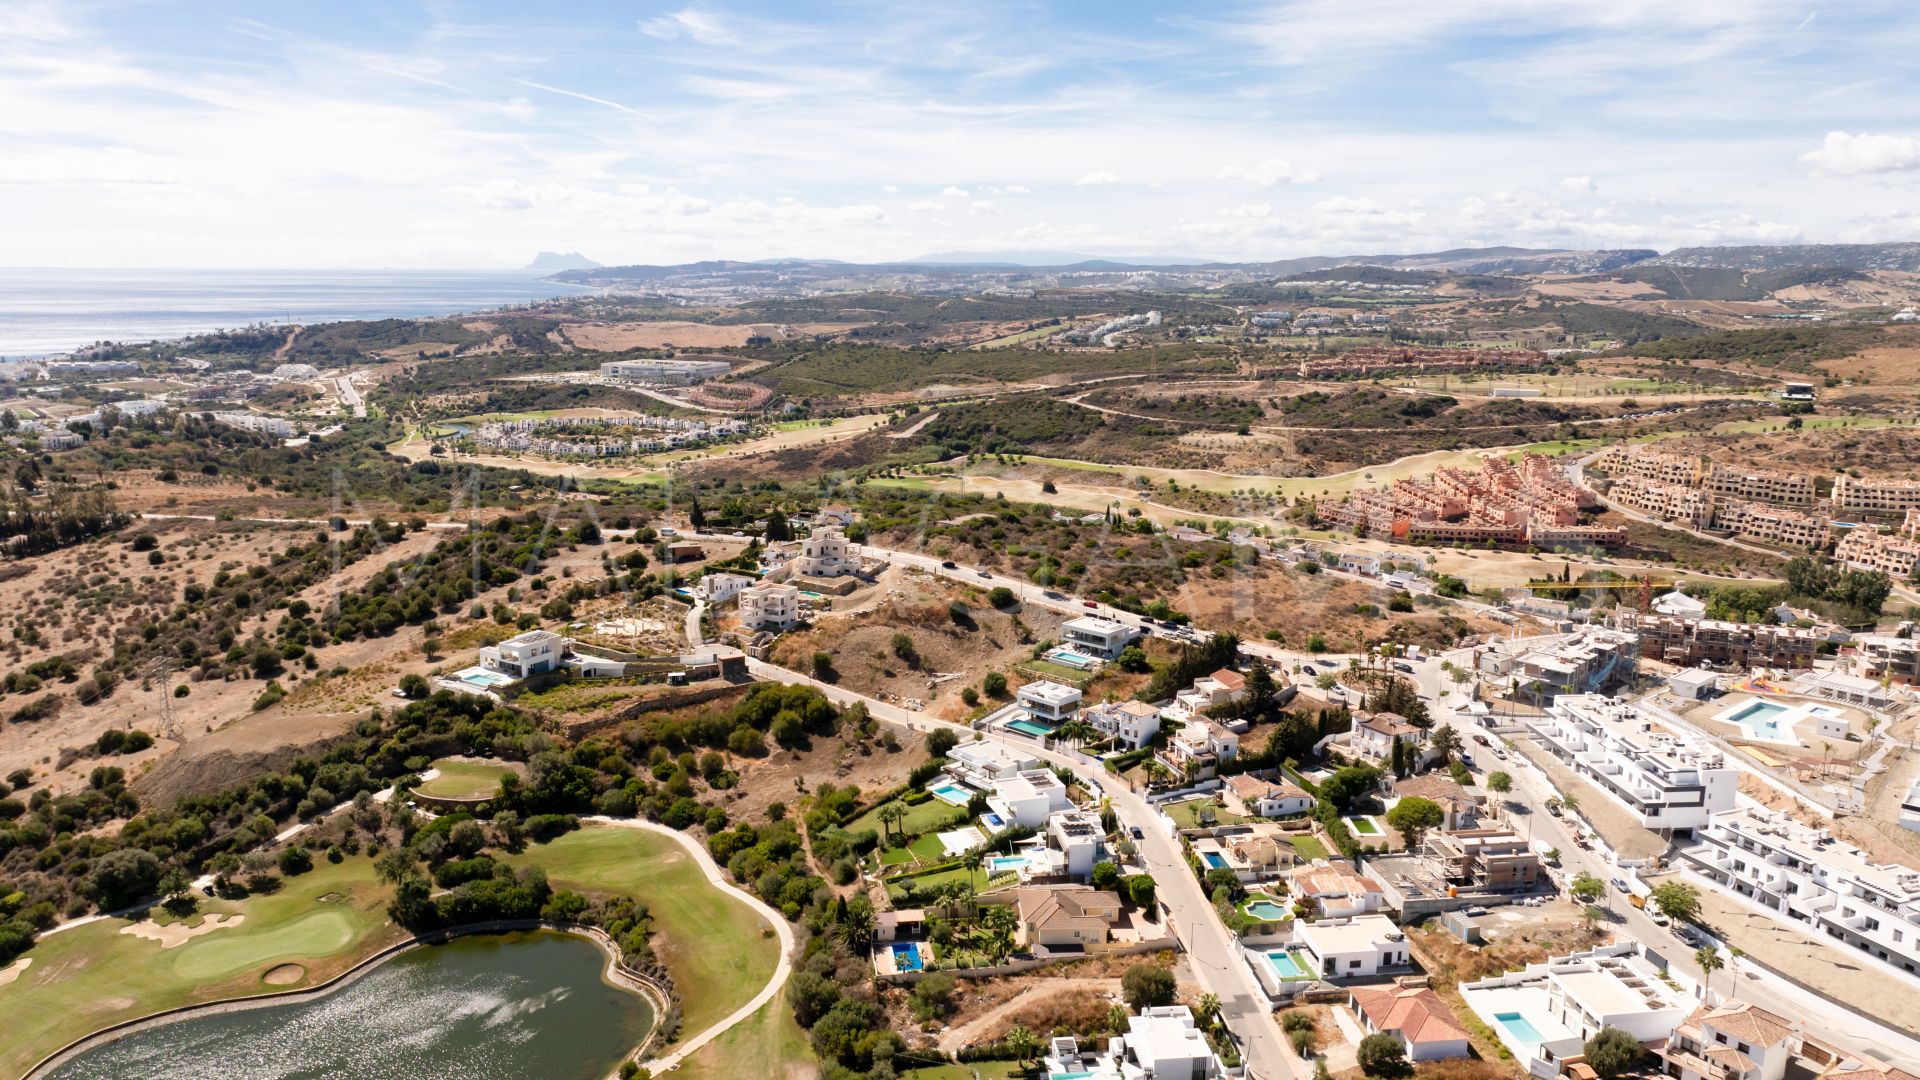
x=906 y=957
x=951 y=794
x=1287 y=966
x=1761 y=719
x=1071 y=659
x=482 y=678
x=1213 y=860
x=992 y=821
x=1030 y=727
x=1267 y=911
x=1520 y=1028
x=1000 y=864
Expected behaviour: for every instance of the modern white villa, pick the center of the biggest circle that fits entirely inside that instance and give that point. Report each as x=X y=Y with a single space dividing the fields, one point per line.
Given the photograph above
x=1546 y=1012
x=1670 y=781
x=1097 y=636
x=1162 y=1043
x=1131 y=724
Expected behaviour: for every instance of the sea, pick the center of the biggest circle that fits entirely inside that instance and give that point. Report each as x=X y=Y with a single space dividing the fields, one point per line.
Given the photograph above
x=51 y=312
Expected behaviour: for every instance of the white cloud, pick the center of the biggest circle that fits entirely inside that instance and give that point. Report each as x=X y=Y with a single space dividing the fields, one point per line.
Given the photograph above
x=1579 y=185
x=951 y=192
x=1097 y=178
x=1844 y=154
x=692 y=23
x=983 y=206
x=1008 y=189
x=890 y=189
x=1267 y=173
x=926 y=206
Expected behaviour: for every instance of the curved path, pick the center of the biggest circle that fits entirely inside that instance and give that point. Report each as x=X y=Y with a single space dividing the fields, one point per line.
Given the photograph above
x=956 y=1038
x=718 y=879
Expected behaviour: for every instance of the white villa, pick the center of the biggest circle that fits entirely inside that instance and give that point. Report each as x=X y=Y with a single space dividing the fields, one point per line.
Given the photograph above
x=1547 y=1011
x=1132 y=724
x=1050 y=703
x=1360 y=946
x=769 y=605
x=1162 y=1043
x=1669 y=782
x=1223 y=687
x=1026 y=798
x=824 y=554
x=531 y=653
x=1076 y=835
x=1196 y=750
x=1098 y=636
x=980 y=765
x=714 y=588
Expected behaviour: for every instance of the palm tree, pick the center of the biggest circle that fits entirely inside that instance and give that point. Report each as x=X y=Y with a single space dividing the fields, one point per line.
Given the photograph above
x=1710 y=961
x=1156 y=772
x=1000 y=921
x=891 y=815
x=1209 y=1009
x=1021 y=1042
x=1569 y=801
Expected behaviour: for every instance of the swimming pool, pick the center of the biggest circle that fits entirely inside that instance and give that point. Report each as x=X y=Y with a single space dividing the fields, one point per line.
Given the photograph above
x=1072 y=659
x=1287 y=966
x=1000 y=864
x=1030 y=727
x=1267 y=911
x=1760 y=718
x=951 y=794
x=906 y=957
x=1213 y=860
x=992 y=821
x=1363 y=826
x=1520 y=1028
x=482 y=678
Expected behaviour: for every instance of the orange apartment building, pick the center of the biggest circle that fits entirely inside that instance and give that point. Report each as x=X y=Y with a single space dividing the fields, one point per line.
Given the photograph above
x=1865 y=547
x=1647 y=463
x=1759 y=485
x=1501 y=502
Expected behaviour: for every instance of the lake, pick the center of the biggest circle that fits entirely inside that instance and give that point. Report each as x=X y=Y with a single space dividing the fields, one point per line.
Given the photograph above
x=45 y=312
x=489 y=1007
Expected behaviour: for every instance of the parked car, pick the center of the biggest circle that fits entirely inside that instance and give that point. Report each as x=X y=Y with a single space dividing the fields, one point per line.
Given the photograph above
x=1308 y=669
x=1482 y=740
x=1401 y=665
x=1051 y=595
x=1137 y=834
x=949 y=565
x=1088 y=603
x=984 y=575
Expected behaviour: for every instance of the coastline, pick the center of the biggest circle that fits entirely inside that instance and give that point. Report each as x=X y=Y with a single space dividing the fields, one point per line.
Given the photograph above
x=51 y=313
x=613 y=974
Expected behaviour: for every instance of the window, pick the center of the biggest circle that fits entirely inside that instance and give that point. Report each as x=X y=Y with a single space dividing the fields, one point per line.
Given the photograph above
x=1353 y=963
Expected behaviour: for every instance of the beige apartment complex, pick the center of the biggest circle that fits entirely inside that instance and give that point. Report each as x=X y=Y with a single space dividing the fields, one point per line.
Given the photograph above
x=1760 y=485
x=1852 y=494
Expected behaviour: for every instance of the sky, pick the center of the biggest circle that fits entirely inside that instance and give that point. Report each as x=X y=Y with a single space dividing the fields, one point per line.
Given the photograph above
x=460 y=134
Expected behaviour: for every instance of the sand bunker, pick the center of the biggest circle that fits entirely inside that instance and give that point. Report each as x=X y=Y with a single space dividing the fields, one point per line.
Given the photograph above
x=173 y=935
x=15 y=970
x=284 y=975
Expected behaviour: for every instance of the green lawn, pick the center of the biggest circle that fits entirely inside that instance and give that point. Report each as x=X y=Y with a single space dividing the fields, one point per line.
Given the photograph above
x=983 y=1070
x=1309 y=848
x=720 y=951
x=92 y=976
x=932 y=814
x=769 y=1045
x=464 y=780
x=1187 y=814
x=925 y=884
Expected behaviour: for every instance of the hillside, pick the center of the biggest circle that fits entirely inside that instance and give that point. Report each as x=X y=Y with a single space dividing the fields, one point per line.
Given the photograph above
x=1900 y=256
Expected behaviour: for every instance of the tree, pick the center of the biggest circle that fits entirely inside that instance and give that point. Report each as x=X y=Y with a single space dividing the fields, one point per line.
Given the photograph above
x=1021 y=1043
x=1140 y=890
x=994 y=685
x=891 y=815
x=857 y=926
x=1678 y=900
x=1586 y=888
x=1381 y=1054
x=903 y=648
x=1593 y=915
x=1105 y=874
x=932 y=996
x=1499 y=782
x=1348 y=784
x=1710 y=961
x=1209 y=1009
x=1326 y=680
x=1133 y=659
x=1146 y=986
x=1413 y=816
x=1000 y=921
x=122 y=877
x=823 y=667
x=1612 y=1052
x=413 y=686
x=1000 y=597
x=697 y=517
x=295 y=860
x=941 y=740
x=1445 y=741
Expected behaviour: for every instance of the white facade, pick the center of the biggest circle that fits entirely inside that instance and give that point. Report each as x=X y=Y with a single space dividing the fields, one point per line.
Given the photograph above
x=1026 y=798
x=1097 y=636
x=1130 y=723
x=1162 y=1043
x=1804 y=874
x=980 y=764
x=1049 y=702
x=1357 y=947
x=526 y=654
x=713 y=588
x=664 y=371
x=1076 y=835
x=1196 y=750
x=824 y=554
x=1667 y=781
x=769 y=606
x=1564 y=1001
x=1209 y=692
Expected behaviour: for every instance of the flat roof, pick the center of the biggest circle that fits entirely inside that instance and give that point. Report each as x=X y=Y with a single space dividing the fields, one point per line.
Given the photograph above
x=1362 y=933
x=1052 y=693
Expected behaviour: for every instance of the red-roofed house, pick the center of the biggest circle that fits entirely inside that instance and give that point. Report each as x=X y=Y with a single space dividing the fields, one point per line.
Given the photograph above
x=1413 y=1014
x=1257 y=796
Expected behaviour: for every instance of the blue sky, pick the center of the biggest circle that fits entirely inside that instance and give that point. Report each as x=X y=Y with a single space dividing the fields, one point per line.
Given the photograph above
x=473 y=134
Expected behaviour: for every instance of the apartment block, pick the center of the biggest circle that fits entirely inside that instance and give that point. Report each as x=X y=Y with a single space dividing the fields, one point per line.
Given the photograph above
x=1670 y=782
x=1759 y=485
x=1865 y=547
x=1806 y=875
x=1875 y=496
x=769 y=606
x=1669 y=502
x=1482 y=859
x=1774 y=525
x=1584 y=662
x=1646 y=463
x=1686 y=642
x=1500 y=502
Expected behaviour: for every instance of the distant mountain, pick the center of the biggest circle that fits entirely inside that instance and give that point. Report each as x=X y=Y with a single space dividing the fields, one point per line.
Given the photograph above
x=1897 y=256
x=1046 y=259
x=1489 y=260
x=551 y=261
